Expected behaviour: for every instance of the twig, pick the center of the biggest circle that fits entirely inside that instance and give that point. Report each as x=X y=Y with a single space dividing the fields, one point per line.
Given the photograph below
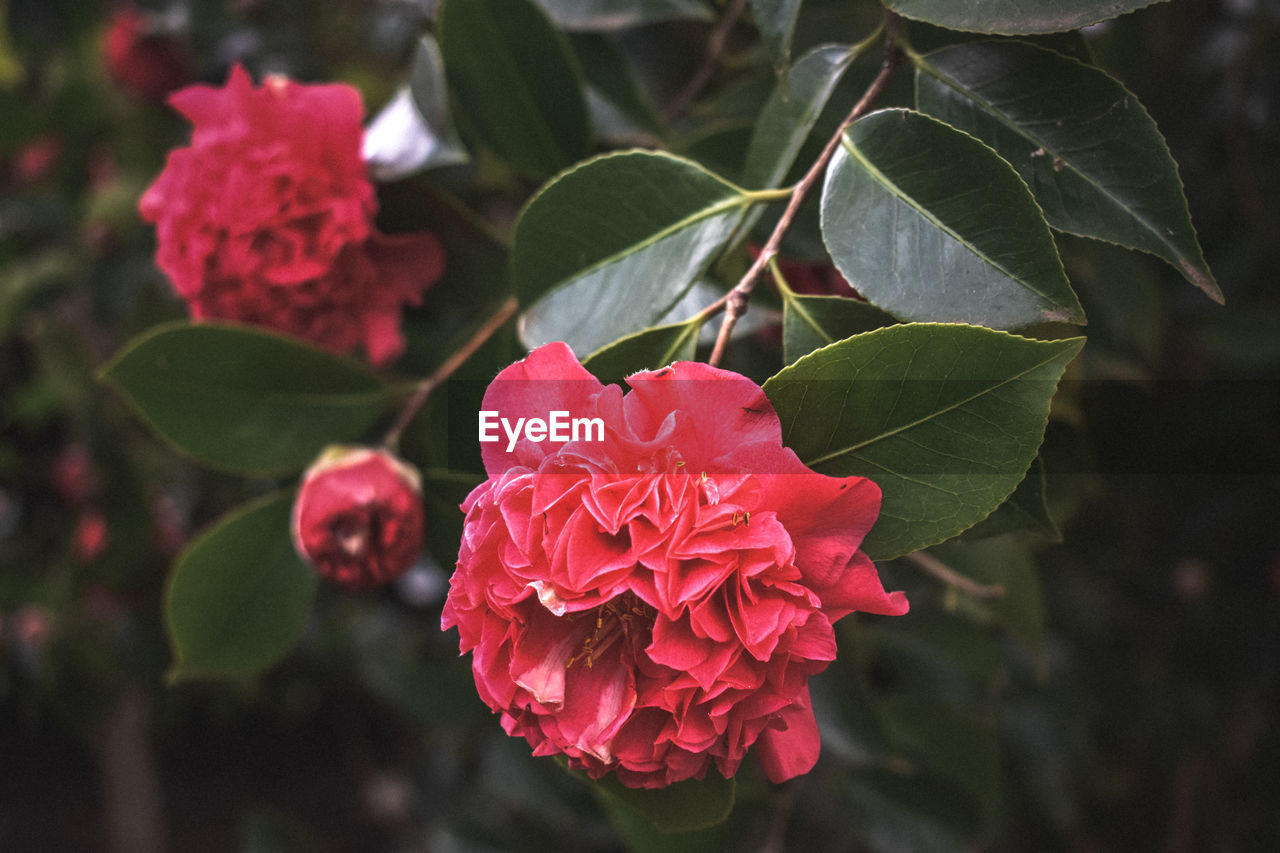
x=444 y=371
x=736 y=305
x=940 y=570
x=715 y=46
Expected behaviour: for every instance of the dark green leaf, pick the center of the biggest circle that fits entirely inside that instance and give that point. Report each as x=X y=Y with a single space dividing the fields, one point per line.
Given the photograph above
x=620 y=14
x=790 y=113
x=516 y=82
x=1026 y=509
x=591 y=269
x=683 y=807
x=239 y=596
x=1090 y=153
x=812 y=322
x=945 y=418
x=442 y=493
x=246 y=400
x=952 y=744
x=431 y=97
x=930 y=224
x=1015 y=17
x=607 y=72
x=1004 y=561
x=777 y=22
x=647 y=350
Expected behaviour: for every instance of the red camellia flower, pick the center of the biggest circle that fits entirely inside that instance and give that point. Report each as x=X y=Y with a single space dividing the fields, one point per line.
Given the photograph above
x=143 y=62
x=358 y=517
x=652 y=594
x=267 y=218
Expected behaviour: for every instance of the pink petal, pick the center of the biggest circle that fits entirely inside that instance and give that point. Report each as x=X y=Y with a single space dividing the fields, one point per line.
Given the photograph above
x=548 y=379
x=792 y=750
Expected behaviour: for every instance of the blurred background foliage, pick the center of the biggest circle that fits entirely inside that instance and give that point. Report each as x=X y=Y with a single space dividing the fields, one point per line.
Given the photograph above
x=1122 y=695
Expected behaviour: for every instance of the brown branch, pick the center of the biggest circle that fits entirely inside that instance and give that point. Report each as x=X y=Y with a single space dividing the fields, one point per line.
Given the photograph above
x=444 y=371
x=940 y=570
x=738 y=297
x=715 y=46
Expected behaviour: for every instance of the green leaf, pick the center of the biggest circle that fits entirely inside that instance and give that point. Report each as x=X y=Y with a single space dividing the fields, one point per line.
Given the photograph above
x=790 y=114
x=812 y=322
x=1015 y=17
x=946 y=419
x=683 y=807
x=1025 y=509
x=928 y=223
x=620 y=14
x=1090 y=153
x=647 y=350
x=777 y=22
x=1004 y=561
x=607 y=248
x=609 y=74
x=239 y=596
x=516 y=82
x=246 y=400
x=431 y=97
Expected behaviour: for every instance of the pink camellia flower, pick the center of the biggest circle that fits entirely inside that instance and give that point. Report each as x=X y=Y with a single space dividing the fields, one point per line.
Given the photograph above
x=654 y=595
x=267 y=218
x=358 y=518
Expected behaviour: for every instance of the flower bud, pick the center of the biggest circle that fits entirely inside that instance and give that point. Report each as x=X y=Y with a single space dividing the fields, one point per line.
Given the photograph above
x=358 y=518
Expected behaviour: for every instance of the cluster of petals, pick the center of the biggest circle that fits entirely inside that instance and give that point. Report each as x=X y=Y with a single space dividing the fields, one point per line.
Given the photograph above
x=652 y=599
x=358 y=516
x=266 y=218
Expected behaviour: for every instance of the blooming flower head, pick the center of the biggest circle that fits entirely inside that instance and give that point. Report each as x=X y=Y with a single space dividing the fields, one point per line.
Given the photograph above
x=267 y=218
x=358 y=517
x=653 y=598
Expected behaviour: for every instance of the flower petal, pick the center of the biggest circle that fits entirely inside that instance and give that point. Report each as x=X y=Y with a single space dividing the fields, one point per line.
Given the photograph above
x=792 y=749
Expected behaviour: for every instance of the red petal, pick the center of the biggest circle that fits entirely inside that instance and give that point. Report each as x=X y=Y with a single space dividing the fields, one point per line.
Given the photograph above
x=792 y=750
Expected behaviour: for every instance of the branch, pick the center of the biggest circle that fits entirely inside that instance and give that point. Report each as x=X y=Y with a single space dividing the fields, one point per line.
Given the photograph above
x=715 y=46
x=940 y=570
x=737 y=299
x=444 y=371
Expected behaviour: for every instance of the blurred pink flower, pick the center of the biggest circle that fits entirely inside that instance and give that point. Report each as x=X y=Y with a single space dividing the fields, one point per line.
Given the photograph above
x=267 y=218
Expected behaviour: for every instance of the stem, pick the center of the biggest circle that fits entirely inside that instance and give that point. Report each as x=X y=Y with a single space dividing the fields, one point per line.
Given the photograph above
x=444 y=371
x=736 y=300
x=940 y=570
x=715 y=46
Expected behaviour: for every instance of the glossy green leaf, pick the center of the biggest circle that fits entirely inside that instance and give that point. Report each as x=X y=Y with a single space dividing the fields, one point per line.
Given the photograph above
x=609 y=247
x=647 y=350
x=516 y=82
x=930 y=224
x=239 y=595
x=430 y=95
x=777 y=22
x=620 y=14
x=945 y=418
x=790 y=114
x=1026 y=509
x=1090 y=153
x=1015 y=17
x=812 y=322
x=246 y=400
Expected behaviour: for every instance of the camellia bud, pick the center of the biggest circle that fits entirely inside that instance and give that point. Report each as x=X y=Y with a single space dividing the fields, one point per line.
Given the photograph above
x=358 y=517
